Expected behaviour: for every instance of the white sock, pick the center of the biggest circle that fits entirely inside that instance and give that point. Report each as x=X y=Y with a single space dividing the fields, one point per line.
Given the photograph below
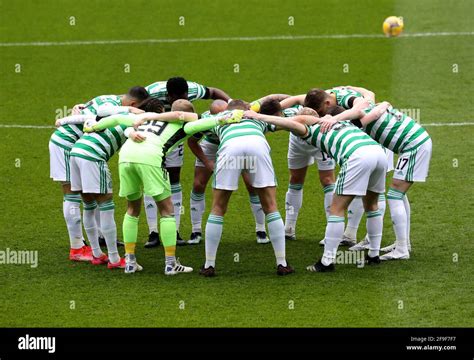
x=151 y=213
x=382 y=204
x=374 y=231
x=197 y=205
x=90 y=226
x=406 y=203
x=109 y=229
x=72 y=215
x=354 y=215
x=177 y=198
x=276 y=233
x=213 y=237
x=334 y=232
x=399 y=216
x=97 y=221
x=258 y=213
x=293 y=202
x=328 y=195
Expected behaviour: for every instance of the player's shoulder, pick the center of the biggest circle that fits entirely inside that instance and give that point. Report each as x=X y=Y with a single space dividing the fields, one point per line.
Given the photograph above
x=155 y=87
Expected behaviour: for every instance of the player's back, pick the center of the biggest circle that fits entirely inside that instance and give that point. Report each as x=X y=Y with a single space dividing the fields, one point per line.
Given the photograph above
x=246 y=127
x=161 y=137
x=396 y=131
x=340 y=141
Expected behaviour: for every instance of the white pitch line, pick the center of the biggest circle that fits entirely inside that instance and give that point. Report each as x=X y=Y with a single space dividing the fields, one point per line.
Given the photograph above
x=18 y=126
x=237 y=38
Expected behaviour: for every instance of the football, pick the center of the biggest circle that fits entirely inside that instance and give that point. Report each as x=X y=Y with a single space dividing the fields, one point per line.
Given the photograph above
x=393 y=26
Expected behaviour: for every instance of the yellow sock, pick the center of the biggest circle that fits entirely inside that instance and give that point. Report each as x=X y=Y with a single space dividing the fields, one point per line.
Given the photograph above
x=130 y=248
x=170 y=250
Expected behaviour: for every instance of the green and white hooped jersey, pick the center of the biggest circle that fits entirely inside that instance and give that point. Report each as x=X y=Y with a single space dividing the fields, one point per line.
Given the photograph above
x=292 y=111
x=210 y=135
x=245 y=127
x=158 y=90
x=396 y=131
x=92 y=106
x=67 y=135
x=343 y=96
x=339 y=142
x=100 y=146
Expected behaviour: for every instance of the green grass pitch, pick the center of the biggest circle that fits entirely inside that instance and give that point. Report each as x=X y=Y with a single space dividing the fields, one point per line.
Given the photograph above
x=434 y=74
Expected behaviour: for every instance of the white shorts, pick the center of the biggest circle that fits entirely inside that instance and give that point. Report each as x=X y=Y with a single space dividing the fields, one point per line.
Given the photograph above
x=210 y=151
x=389 y=154
x=301 y=154
x=90 y=177
x=365 y=170
x=59 y=163
x=414 y=165
x=250 y=154
x=175 y=157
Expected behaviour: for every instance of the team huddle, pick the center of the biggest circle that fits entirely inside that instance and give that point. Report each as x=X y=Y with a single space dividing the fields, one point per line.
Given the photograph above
x=148 y=125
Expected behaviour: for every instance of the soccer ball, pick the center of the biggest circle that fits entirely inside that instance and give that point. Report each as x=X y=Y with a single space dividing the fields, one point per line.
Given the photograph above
x=393 y=26
x=88 y=124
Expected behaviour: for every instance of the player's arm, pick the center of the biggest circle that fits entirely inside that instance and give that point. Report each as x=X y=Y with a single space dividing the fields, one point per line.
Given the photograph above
x=171 y=116
x=215 y=93
x=193 y=143
x=354 y=112
x=76 y=109
x=204 y=124
x=73 y=120
x=277 y=97
x=292 y=101
x=295 y=124
x=107 y=110
x=369 y=95
x=374 y=114
x=112 y=121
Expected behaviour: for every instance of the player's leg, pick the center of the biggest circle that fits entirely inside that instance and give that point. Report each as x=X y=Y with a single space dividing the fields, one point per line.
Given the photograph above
x=174 y=162
x=300 y=156
x=151 y=211
x=333 y=234
x=276 y=228
x=257 y=211
x=202 y=176
x=375 y=187
x=326 y=167
x=355 y=212
x=131 y=187
x=130 y=222
x=214 y=226
x=398 y=213
x=264 y=182
x=225 y=181
x=294 y=200
x=374 y=225
x=60 y=171
x=198 y=202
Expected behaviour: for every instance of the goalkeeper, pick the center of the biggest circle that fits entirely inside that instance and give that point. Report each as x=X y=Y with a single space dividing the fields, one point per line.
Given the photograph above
x=141 y=168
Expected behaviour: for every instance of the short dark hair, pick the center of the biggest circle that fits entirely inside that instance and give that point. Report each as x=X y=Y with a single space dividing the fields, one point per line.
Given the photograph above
x=238 y=105
x=315 y=98
x=270 y=107
x=152 y=105
x=335 y=110
x=138 y=93
x=176 y=86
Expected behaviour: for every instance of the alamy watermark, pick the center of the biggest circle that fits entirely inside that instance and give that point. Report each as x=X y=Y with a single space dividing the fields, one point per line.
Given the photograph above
x=240 y=162
x=19 y=257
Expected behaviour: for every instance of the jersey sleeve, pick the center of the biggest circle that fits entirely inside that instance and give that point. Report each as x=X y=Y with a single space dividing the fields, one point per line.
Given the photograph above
x=292 y=111
x=197 y=91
